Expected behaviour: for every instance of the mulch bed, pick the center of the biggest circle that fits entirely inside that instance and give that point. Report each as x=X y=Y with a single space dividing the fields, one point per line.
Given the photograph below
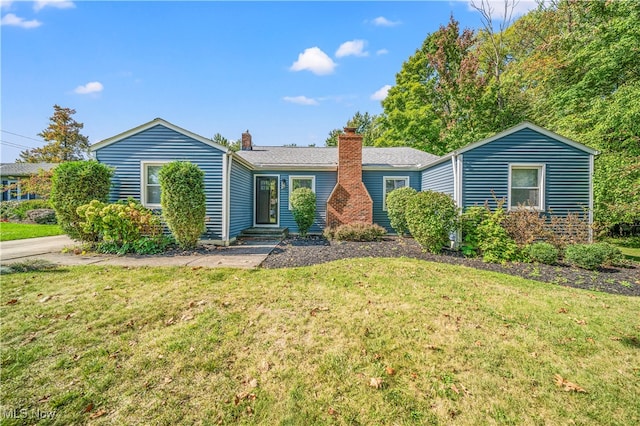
x=298 y=251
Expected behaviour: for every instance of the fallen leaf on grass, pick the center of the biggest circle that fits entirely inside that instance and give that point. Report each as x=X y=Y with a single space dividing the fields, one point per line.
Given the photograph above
x=332 y=412
x=45 y=299
x=168 y=380
x=562 y=311
x=44 y=398
x=376 y=382
x=567 y=385
x=455 y=389
x=98 y=413
x=88 y=408
x=170 y=321
x=390 y=371
x=581 y=322
x=12 y=302
x=253 y=383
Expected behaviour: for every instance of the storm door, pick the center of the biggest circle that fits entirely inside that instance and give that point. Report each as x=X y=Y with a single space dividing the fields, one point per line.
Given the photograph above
x=266 y=200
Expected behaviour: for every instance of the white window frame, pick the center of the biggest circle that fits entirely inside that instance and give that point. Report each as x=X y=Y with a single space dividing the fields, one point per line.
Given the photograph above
x=18 y=190
x=541 y=179
x=292 y=178
x=143 y=182
x=384 y=187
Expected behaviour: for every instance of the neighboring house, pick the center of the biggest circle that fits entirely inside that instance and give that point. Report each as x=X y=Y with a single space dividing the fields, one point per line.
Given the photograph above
x=251 y=187
x=12 y=173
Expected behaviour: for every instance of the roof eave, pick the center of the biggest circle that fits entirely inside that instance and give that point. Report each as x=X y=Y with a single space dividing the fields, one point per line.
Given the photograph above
x=149 y=125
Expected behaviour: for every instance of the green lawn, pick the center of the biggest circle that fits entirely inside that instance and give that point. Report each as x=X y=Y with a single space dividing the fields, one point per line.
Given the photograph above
x=631 y=253
x=19 y=231
x=359 y=341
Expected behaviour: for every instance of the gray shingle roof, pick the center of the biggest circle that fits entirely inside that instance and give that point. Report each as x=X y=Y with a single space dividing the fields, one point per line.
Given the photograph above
x=24 y=169
x=310 y=157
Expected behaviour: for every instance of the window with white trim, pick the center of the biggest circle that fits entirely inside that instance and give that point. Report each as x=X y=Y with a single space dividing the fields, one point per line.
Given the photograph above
x=150 y=184
x=389 y=184
x=14 y=193
x=526 y=186
x=296 y=182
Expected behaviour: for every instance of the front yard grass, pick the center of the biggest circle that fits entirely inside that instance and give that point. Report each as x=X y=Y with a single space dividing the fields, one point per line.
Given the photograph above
x=358 y=341
x=19 y=231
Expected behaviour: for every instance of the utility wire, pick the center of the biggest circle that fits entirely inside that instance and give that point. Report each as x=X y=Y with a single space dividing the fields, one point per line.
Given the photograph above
x=22 y=136
x=13 y=144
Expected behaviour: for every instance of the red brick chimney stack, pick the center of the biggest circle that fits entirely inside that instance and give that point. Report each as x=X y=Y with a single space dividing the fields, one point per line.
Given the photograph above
x=246 y=141
x=349 y=201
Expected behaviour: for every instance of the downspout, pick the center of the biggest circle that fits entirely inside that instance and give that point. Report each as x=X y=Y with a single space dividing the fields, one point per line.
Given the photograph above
x=591 y=171
x=225 y=204
x=457 y=193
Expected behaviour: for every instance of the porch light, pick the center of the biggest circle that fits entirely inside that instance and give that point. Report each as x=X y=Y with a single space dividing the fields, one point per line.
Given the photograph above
x=283 y=184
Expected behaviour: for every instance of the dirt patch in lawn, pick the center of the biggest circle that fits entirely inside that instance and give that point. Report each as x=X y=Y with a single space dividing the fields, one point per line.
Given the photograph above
x=298 y=251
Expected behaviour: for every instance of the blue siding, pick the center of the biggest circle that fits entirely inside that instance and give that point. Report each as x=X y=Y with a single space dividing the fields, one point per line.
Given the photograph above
x=439 y=178
x=374 y=181
x=162 y=144
x=241 y=199
x=486 y=169
x=325 y=181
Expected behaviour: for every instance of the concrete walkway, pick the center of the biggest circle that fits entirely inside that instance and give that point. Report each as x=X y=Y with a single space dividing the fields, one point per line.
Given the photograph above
x=245 y=254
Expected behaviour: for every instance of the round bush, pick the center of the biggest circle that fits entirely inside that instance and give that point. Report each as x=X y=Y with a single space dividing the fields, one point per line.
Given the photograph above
x=542 y=252
x=494 y=242
x=303 y=204
x=73 y=184
x=183 y=201
x=396 y=208
x=357 y=231
x=431 y=218
x=586 y=256
x=42 y=216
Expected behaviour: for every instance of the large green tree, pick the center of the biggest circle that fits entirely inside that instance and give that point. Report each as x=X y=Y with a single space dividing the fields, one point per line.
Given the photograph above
x=64 y=140
x=365 y=124
x=442 y=99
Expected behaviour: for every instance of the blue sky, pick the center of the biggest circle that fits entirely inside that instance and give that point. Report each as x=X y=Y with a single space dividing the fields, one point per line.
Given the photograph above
x=289 y=72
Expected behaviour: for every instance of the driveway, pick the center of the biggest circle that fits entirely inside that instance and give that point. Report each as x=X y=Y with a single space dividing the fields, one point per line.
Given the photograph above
x=18 y=249
x=249 y=254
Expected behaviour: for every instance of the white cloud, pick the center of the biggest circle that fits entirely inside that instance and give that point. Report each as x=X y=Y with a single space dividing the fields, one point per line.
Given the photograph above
x=352 y=48
x=58 y=4
x=520 y=7
x=15 y=21
x=382 y=52
x=381 y=93
x=315 y=60
x=381 y=21
x=91 y=87
x=300 y=100
x=5 y=3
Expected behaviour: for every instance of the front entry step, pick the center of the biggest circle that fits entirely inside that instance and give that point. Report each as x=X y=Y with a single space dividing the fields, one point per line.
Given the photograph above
x=265 y=233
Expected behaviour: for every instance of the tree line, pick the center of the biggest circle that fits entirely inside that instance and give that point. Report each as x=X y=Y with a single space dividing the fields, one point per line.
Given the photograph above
x=570 y=66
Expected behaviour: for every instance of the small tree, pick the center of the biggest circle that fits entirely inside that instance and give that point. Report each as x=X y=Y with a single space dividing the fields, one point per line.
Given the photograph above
x=431 y=217
x=397 y=206
x=64 y=140
x=183 y=201
x=76 y=183
x=303 y=203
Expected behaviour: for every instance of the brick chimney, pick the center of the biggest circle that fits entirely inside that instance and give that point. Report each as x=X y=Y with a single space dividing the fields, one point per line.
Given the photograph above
x=246 y=141
x=349 y=201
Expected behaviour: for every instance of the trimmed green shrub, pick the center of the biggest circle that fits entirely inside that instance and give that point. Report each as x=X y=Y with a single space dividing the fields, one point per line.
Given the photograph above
x=586 y=256
x=542 y=252
x=469 y=222
x=612 y=255
x=183 y=201
x=431 y=217
x=357 y=231
x=303 y=205
x=495 y=244
x=396 y=208
x=73 y=184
